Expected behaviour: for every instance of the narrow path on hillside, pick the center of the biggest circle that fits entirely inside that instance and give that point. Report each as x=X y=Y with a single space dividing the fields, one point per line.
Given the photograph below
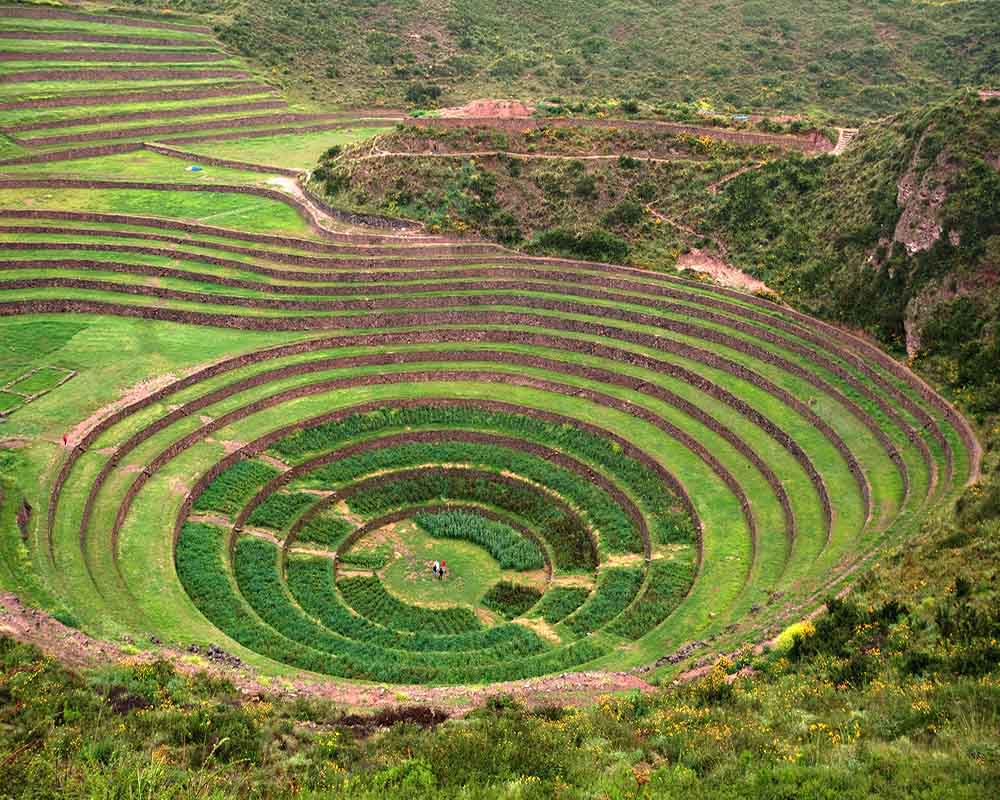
x=844 y=138
x=514 y=154
x=714 y=187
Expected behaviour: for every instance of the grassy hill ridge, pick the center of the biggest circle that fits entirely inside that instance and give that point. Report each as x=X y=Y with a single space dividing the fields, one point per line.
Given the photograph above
x=857 y=59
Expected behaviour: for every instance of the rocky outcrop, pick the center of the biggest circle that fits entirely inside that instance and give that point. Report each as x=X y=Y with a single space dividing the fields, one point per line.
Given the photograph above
x=921 y=196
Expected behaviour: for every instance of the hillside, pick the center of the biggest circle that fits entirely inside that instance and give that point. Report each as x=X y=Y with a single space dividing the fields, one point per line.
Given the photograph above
x=851 y=58
x=600 y=193
x=899 y=236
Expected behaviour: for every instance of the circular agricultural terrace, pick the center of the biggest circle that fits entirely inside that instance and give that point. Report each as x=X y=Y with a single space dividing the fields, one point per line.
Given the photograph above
x=613 y=462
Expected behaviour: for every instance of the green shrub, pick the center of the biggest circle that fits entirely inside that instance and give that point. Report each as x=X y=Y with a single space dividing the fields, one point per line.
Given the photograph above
x=279 y=510
x=666 y=586
x=559 y=602
x=616 y=589
x=369 y=598
x=594 y=244
x=325 y=529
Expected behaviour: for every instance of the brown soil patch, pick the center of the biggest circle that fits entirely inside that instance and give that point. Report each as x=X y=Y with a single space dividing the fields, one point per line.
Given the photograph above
x=541 y=627
x=720 y=271
x=623 y=560
x=486 y=616
x=211 y=519
x=231 y=445
x=489 y=109
x=388 y=535
x=586 y=581
x=138 y=392
x=277 y=463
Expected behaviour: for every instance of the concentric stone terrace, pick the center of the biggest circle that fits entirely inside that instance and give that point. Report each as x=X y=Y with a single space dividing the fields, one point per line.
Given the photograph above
x=612 y=462
x=620 y=461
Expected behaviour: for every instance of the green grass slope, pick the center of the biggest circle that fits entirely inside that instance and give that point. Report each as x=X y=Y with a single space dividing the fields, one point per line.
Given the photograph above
x=854 y=58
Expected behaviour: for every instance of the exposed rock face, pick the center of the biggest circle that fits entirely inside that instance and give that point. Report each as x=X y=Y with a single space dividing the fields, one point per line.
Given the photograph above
x=921 y=198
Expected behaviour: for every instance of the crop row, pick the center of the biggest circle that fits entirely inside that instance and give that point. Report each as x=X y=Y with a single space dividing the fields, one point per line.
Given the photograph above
x=667 y=584
x=279 y=510
x=311 y=583
x=43 y=12
x=231 y=490
x=255 y=567
x=256 y=572
x=510 y=548
x=599 y=502
x=155 y=131
x=100 y=54
x=55 y=35
x=616 y=588
x=324 y=529
x=622 y=461
x=118 y=73
x=563 y=531
x=159 y=113
x=561 y=601
x=192 y=92
x=368 y=597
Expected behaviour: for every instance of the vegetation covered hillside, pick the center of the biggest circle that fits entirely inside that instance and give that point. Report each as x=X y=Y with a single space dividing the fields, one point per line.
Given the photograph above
x=589 y=192
x=852 y=57
x=899 y=236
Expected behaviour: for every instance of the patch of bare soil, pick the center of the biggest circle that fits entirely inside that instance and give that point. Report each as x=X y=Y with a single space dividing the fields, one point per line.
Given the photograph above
x=491 y=109
x=720 y=271
x=541 y=627
x=138 y=392
x=586 y=581
x=623 y=560
x=277 y=463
